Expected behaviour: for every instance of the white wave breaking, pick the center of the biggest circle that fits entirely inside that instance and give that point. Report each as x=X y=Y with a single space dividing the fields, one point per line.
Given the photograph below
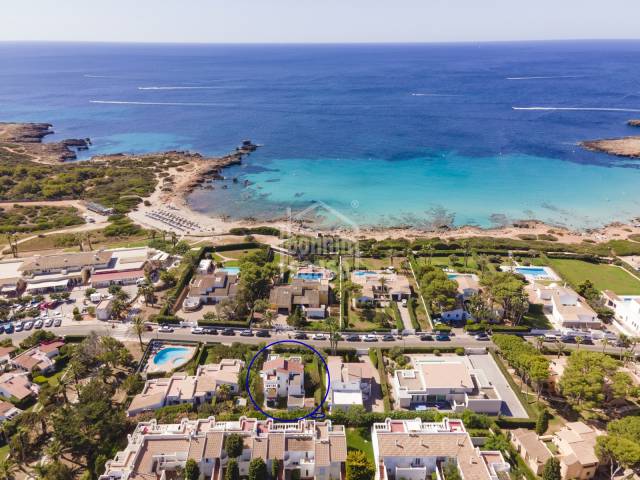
x=549 y=77
x=181 y=88
x=579 y=109
x=170 y=104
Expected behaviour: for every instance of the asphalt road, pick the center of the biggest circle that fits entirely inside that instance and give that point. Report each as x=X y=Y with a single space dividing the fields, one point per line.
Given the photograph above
x=124 y=332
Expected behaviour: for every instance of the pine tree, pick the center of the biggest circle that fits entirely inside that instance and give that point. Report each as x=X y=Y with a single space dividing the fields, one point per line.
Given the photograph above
x=551 y=470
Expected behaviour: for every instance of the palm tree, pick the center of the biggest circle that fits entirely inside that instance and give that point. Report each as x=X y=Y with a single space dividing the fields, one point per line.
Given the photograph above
x=224 y=392
x=8 y=468
x=560 y=346
x=137 y=327
x=467 y=250
x=579 y=341
x=430 y=249
x=605 y=344
x=539 y=343
x=54 y=450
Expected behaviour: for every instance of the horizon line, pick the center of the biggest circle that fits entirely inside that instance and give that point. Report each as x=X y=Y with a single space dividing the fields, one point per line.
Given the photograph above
x=320 y=43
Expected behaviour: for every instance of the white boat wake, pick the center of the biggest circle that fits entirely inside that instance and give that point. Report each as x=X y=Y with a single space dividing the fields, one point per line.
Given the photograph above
x=170 y=104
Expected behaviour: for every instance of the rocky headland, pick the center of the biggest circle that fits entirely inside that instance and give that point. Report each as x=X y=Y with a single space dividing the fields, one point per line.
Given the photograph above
x=622 y=147
x=25 y=140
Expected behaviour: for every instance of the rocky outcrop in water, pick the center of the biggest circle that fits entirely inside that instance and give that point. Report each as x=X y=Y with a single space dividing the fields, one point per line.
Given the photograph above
x=26 y=138
x=622 y=147
x=634 y=123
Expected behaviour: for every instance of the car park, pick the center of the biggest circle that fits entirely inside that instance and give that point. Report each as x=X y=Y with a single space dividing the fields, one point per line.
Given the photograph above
x=197 y=330
x=165 y=329
x=228 y=332
x=57 y=322
x=426 y=338
x=301 y=336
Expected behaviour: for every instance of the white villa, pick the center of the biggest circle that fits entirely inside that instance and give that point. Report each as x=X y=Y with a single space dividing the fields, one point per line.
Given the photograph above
x=414 y=450
x=568 y=309
x=182 y=388
x=283 y=378
x=157 y=452
x=627 y=311
x=349 y=384
x=452 y=380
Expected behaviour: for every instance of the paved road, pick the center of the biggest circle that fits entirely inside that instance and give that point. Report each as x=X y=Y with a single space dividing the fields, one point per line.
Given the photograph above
x=124 y=332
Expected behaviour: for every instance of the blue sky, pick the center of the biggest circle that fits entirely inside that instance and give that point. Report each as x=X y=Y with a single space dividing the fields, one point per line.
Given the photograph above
x=318 y=20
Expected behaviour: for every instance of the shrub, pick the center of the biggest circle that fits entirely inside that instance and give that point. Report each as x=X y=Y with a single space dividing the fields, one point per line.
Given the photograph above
x=460 y=351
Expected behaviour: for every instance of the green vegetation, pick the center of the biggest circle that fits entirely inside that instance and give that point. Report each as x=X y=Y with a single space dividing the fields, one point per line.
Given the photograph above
x=359 y=466
x=602 y=276
x=36 y=218
x=620 y=448
x=120 y=183
x=360 y=439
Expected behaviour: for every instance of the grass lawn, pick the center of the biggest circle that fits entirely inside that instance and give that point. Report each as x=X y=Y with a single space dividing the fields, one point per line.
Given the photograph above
x=444 y=262
x=358 y=440
x=603 y=277
x=4 y=451
x=536 y=320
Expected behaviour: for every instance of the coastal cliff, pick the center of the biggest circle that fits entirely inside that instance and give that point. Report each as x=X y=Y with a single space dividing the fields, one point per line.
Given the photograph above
x=25 y=139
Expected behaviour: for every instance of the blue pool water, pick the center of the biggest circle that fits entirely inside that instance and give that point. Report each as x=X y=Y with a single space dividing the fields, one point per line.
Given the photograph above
x=309 y=276
x=171 y=355
x=231 y=270
x=364 y=273
x=417 y=135
x=532 y=271
x=451 y=276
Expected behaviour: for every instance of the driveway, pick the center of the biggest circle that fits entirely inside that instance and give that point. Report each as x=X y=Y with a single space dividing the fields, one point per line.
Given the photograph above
x=406 y=318
x=511 y=405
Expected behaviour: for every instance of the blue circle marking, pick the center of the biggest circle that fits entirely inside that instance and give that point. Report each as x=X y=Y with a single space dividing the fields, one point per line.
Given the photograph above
x=316 y=413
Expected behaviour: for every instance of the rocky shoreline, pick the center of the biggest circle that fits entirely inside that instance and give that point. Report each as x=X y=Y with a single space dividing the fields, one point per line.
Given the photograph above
x=634 y=123
x=26 y=139
x=621 y=147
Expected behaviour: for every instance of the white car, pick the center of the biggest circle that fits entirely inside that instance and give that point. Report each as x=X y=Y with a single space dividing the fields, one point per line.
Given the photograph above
x=319 y=336
x=197 y=330
x=48 y=322
x=37 y=324
x=165 y=329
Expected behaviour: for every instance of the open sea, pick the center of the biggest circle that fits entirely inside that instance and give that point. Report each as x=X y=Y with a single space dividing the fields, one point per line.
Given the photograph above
x=391 y=135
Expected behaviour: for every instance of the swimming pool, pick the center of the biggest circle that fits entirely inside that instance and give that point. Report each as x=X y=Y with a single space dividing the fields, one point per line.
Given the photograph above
x=231 y=270
x=310 y=275
x=452 y=276
x=533 y=271
x=363 y=273
x=174 y=356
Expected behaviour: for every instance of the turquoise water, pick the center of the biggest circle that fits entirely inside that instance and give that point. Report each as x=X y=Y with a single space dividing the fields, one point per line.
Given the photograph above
x=363 y=273
x=444 y=188
x=231 y=270
x=309 y=276
x=171 y=355
x=452 y=276
x=532 y=271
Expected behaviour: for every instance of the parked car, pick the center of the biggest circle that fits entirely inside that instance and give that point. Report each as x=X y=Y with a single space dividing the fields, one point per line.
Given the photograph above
x=319 y=336
x=426 y=338
x=567 y=339
x=301 y=336
x=19 y=327
x=353 y=338
x=482 y=337
x=37 y=324
x=197 y=330
x=369 y=338
x=9 y=328
x=404 y=302
x=442 y=337
x=57 y=322
x=388 y=338
x=210 y=331
x=28 y=325
x=246 y=333
x=263 y=334
x=48 y=322
x=165 y=329
x=228 y=332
